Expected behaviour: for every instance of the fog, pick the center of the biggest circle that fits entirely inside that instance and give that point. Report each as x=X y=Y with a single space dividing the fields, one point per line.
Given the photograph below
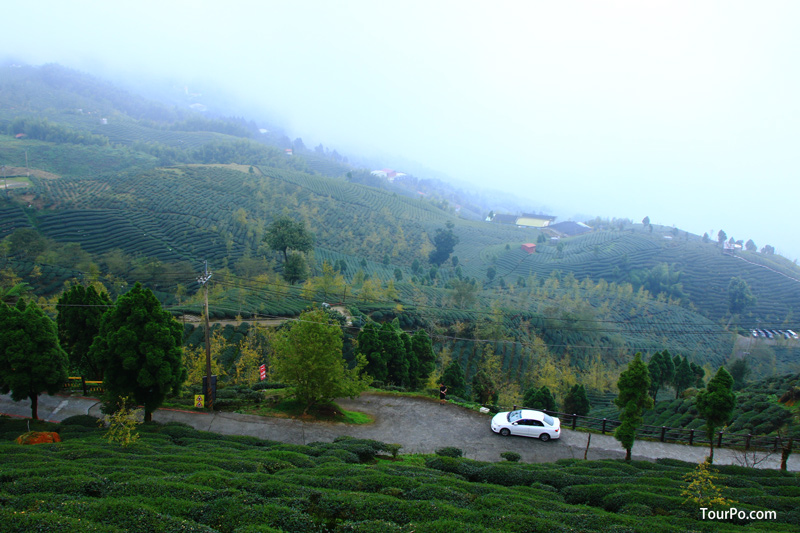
x=683 y=111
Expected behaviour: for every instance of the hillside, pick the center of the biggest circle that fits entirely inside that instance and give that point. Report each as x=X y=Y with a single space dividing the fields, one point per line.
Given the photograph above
x=175 y=478
x=122 y=190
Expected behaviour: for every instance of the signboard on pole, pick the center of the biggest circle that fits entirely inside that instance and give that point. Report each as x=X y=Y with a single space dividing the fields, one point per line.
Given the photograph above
x=199 y=401
x=263 y=371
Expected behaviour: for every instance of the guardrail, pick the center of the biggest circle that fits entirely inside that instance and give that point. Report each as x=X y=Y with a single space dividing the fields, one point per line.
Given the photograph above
x=747 y=442
x=76 y=383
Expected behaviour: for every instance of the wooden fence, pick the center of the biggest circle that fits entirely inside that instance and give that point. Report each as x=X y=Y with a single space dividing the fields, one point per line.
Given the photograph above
x=746 y=442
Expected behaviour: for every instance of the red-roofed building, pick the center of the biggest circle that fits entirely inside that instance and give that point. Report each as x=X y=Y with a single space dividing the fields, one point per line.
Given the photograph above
x=529 y=247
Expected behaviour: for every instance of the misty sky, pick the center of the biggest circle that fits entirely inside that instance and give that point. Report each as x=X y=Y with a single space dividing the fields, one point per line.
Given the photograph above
x=685 y=111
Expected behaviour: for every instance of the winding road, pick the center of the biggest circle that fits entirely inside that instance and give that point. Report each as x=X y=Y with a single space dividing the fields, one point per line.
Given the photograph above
x=420 y=425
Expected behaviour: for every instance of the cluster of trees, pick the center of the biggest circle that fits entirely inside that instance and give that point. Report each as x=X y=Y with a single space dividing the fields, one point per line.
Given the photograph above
x=43 y=130
x=715 y=402
x=677 y=372
x=395 y=357
x=575 y=402
x=243 y=151
x=291 y=238
x=133 y=344
x=444 y=242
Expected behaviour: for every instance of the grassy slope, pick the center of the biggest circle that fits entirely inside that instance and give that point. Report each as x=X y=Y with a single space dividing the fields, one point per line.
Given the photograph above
x=175 y=478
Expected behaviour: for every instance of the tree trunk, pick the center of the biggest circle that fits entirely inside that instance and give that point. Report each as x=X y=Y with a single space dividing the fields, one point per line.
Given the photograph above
x=627 y=454
x=148 y=415
x=711 y=446
x=34 y=406
x=786 y=451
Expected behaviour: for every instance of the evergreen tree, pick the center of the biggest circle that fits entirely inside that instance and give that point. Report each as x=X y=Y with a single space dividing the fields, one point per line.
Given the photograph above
x=715 y=404
x=369 y=345
x=80 y=312
x=139 y=345
x=576 y=402
x=633 y=399
x=31 y=359
x=394 y=354
x=454 y=380
x=541 y=399
x=424 y=360
x=295 y=268
x=484 y=389
x=662 y=371
x=683 y=376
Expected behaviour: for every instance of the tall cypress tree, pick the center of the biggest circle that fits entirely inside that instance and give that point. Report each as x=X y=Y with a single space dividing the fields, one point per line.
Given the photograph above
x=715 y=403
x=424 y=360
x=369 y=345
x=454 y=380
x=394 y=353
x=633 y=399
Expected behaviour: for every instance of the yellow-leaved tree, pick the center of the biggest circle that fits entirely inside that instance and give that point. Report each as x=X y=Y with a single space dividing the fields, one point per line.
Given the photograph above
x=252 y=354
x=194 y=359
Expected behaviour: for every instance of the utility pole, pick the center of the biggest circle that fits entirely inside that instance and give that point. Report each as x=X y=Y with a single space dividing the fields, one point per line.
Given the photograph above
x=203 y=280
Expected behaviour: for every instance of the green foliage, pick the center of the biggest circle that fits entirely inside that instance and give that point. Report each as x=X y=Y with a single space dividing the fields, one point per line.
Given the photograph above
x=295 y=268
x=80 y=312
x=450 y=451
x=370 y=346
x=284 y=234
x=308 y=356
x=512 y=457
x=454 y=380
x=576 y=402
x=139 y=345
x=484 y=389
x=633 y=399
x=662 y=371
x=715 y=404
x=31 y=359
x=541 y=399
x=444 y=242
x=122 y=424
x=740 y=297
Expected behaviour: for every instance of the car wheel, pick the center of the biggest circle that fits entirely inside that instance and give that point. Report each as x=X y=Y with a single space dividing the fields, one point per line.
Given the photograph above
x=544 y=437
x=505 y=432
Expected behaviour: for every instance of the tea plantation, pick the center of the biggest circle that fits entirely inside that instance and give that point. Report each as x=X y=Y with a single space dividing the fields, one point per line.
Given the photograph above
x=178 y=479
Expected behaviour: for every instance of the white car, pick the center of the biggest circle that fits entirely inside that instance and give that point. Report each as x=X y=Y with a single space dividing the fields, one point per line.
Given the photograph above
x=527 y=423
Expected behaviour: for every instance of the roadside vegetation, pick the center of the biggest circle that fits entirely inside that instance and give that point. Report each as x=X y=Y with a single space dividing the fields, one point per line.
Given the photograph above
x=176 y=478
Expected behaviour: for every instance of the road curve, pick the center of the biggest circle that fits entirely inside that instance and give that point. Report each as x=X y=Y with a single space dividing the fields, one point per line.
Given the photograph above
x=420 y=425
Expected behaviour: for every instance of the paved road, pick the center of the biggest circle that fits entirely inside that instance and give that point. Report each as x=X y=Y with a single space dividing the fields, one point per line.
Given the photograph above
x=420 y=425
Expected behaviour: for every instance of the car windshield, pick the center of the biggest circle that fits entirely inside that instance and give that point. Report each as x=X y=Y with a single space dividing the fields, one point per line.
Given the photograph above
x=549 y=420
x=513 y=416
